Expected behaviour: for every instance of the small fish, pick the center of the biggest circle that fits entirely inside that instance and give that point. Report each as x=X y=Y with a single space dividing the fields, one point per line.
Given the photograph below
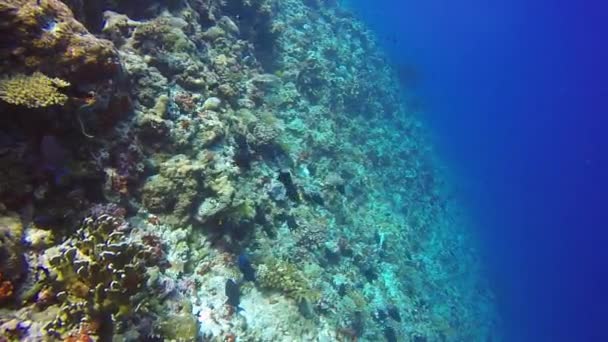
x=46 y=221
x=233 y=292
x=246 y=268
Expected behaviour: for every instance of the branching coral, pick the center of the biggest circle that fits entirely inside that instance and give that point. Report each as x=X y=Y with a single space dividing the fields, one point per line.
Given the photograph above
x=96 y=275
x=33 y=91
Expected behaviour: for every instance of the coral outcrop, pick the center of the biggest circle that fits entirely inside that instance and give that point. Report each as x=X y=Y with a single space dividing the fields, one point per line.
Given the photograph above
x=44 y=36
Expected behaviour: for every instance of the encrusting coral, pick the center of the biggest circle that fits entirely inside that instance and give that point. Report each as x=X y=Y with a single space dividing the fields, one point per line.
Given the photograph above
x=33 y=91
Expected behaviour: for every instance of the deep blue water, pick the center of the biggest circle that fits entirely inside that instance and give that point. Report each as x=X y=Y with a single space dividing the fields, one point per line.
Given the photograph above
x=516 y=94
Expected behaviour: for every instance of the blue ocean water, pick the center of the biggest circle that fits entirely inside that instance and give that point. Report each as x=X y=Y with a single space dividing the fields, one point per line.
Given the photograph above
x=516 y=94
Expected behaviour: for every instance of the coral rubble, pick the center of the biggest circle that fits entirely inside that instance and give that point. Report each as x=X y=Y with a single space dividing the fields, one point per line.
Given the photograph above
x=152 y=152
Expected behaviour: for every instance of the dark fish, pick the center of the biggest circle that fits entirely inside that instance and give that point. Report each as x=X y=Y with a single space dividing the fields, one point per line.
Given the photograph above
x=380 y=316
x=408 y=75
x=393 y=312
x=46 y=221
x=390 y=334
x=392 y=39
x=54 y=157
x=287 y=180
x=233 y=292
x=246 y=268
x=52 y=151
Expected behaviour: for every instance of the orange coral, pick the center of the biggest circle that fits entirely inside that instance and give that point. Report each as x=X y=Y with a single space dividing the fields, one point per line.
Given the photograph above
x=6 y=289
x=80 y=337
x=84 y=333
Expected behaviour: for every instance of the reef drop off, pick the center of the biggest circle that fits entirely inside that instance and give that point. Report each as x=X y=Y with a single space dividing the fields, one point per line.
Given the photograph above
x=234 y=170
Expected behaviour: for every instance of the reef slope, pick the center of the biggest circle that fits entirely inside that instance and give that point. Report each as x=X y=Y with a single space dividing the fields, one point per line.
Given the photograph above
x=220 y=170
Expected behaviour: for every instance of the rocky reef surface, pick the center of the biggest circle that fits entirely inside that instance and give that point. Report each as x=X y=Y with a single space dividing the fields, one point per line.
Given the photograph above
x=220 y=170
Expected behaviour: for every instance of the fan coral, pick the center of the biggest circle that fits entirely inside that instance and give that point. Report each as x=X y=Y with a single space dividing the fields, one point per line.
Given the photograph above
x=34 y=91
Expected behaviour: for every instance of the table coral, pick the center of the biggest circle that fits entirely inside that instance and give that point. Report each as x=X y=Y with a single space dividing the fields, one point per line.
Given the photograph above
x=33 y=91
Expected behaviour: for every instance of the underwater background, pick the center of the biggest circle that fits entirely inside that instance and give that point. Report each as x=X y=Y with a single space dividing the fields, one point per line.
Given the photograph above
x=302 y=170
x=515 y=93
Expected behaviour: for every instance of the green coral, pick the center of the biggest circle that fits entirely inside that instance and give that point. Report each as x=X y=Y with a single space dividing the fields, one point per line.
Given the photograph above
x=174 y=188
x=179 y=327
x=158 y=194
x=163 y=33
x=244 y=211
x=285 y=277
x=33 y=91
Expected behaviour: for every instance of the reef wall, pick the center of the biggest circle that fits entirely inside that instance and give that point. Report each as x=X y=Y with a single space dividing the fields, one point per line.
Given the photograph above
x=219 y=170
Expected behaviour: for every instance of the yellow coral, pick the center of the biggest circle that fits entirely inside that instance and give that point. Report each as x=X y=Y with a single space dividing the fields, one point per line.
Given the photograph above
x=284 y=276
x=34 y=91
x=10 y=225
x=222 y=186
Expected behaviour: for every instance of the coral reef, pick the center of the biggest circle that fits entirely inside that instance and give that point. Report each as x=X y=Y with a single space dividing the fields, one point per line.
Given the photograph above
x=147 y=148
